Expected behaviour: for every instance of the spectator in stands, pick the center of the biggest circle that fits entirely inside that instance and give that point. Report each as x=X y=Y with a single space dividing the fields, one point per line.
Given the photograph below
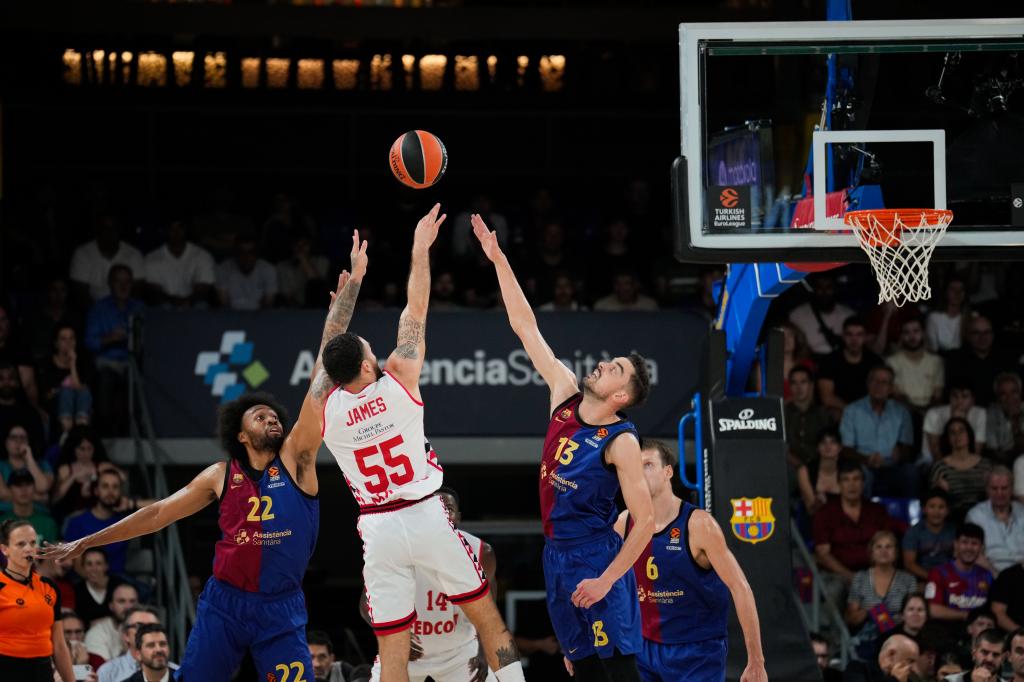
x=302 y=278
x=1015 y=654
x=109 y=508
x=444 y=294
x=625 y=296
x=19 y=456
x=986 y=658
x=57 y=571
x=961 y=404
x=82 y=458
x=821 y=319
x=563 y=296
x=552 y=257
x=843 y=375
x=74 y=635
x=220 y=227
x=92 y=261
x=929 y=542
x=246 y=282
x=877 y=594
x=805 y=418
x=703 y=302
x=97 y=587
x=1007 y=598
x=883 y=324
x=125 y=665
x=961 y=585
x=844 y=525
x=1002 y=519
x=22 y=485
x=948 y=664
x=980 y=361
x=913 y=615
x=15 y=409
x=978 y=620
x=818 y=482
x=919 y=376
x=1005 y=422
x=614 y=254
x=153 y=653
x=462 y=230
x=795 y=353
x=103 y=638
x=14 y=353
x=961 y=472
x=325 y=667
x=879 y=430
x=107 y=333
x=179 y=274
x=65 y=378
x=52 y=311
x=821 y=648
x=286 y=220
x=895 y=662
x=944 y=326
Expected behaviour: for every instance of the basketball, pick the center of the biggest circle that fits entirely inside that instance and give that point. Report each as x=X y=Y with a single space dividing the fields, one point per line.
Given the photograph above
x=418 y=159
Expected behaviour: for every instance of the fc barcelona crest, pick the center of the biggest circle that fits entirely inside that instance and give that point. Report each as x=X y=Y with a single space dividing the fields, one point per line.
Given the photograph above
x=752 y=520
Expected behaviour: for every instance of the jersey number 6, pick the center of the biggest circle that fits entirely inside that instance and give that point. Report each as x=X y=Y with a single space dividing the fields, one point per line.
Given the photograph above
x=392 y=460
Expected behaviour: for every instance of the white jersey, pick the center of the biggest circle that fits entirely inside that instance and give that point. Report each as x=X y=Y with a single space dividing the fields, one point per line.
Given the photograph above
x=377 y=437
x=440 y=625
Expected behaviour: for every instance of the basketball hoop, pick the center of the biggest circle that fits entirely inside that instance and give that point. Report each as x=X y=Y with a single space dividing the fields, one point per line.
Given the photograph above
x=899 y=243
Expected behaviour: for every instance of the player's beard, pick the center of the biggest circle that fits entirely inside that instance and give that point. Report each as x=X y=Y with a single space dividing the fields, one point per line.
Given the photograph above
x=588 y=388
x=268 y=443
x=378 y=371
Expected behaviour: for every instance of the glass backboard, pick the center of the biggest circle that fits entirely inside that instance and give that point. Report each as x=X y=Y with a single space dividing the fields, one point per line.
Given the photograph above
x=788 y=126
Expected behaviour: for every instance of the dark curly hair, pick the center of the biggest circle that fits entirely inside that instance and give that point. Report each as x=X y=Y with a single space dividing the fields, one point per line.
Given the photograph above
x=229 y=419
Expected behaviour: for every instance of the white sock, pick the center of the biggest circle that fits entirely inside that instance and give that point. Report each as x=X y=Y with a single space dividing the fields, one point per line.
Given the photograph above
x=513 y=672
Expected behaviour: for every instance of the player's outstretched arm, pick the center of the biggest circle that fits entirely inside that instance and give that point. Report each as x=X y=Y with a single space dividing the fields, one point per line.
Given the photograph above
x=303 y=442
x=406 y=361
x=560 y=379
x=706 y=538
x=197 y=494
x=624 y=454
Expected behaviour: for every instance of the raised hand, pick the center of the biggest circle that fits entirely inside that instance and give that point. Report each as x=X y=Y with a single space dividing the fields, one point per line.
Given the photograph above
x=358 y=257
x=488 y=239
x=427 y=228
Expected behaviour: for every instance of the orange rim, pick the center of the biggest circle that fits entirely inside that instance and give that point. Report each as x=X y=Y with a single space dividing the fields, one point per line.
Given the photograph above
x=883 y=223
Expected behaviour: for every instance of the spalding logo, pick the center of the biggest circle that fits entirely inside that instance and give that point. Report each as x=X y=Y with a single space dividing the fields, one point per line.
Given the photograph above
x=745 y=422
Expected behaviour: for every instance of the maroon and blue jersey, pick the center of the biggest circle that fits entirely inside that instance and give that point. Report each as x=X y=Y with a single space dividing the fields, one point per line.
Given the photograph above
x=680 y=602
x=577 y=487
x=963 y=591
x=268 y=530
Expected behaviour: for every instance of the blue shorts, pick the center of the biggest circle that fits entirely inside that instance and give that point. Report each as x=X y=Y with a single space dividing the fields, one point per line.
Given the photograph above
x=693 y=661
x=611 y=624
x=230 y=621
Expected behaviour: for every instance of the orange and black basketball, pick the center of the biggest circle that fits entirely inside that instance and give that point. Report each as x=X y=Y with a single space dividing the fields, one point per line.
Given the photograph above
x=418 y=159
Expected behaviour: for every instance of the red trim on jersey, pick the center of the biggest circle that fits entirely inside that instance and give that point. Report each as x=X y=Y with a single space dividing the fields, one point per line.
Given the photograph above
x=403 y=388
x=432 y=461
x=390 y=506
x=391 y=627
x=470 y=596
x=323 y=411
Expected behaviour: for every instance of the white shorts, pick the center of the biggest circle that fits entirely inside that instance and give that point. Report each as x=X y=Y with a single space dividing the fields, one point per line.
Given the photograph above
x=448 y=666
x=419 y=536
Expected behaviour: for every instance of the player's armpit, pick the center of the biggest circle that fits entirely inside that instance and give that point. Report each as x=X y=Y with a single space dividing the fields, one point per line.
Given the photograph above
x=303 y=442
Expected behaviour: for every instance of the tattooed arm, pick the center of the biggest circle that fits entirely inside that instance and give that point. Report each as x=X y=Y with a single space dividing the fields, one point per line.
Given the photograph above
x=406 y=360
x=299 y=450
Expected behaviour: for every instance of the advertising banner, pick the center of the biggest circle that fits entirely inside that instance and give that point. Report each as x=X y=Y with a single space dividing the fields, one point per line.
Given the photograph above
x=476 y=381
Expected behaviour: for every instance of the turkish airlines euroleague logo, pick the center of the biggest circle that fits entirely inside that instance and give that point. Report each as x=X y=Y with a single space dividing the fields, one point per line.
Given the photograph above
x=729 y=197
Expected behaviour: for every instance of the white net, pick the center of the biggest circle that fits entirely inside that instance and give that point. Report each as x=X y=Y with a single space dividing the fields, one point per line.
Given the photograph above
x=899 y=244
